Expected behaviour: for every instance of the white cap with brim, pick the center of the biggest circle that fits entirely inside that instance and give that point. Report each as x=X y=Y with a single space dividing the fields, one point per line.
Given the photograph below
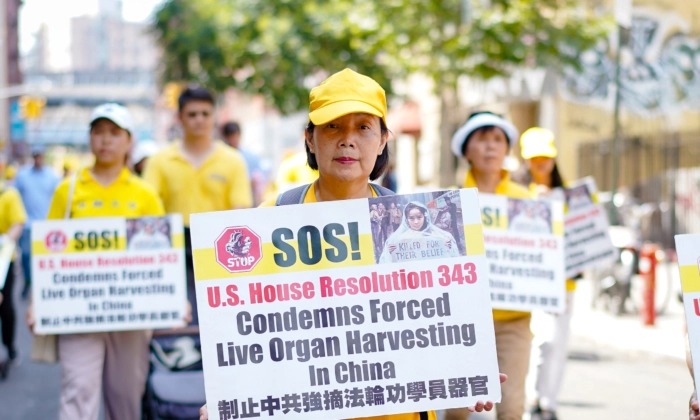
x=144 y=149
x=479 y=121
x=115 y=113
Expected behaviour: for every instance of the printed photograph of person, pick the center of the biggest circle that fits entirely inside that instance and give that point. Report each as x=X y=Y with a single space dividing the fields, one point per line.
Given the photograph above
x=148 y=233
x=529 y=216
x=578 y=197
x=417 y=238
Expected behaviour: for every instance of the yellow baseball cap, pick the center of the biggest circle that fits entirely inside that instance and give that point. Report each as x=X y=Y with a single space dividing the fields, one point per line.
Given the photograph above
x=346 y=92
x=537 y=141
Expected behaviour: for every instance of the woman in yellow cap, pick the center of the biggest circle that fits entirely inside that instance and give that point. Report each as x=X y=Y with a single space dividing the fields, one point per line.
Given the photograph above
x=484 y=141
x=551 y=331
x=345 y=141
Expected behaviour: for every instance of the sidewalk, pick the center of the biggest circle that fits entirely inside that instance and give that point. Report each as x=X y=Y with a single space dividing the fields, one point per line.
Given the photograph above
x=626 y=332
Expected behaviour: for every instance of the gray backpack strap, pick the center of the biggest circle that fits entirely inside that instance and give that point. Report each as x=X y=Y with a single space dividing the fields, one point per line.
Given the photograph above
x=381 y=191
x=293 y=196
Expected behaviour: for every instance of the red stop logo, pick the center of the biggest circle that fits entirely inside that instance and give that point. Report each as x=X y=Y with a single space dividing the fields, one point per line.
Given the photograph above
x=238 y=249
x=56 y=241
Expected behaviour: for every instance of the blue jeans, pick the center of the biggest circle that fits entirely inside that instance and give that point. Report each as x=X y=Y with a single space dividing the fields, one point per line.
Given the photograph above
x=25 y=244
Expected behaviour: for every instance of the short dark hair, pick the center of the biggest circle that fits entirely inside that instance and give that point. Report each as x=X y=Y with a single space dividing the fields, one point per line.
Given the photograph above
x=380 y=166
x=231 y=127
x=194 y=93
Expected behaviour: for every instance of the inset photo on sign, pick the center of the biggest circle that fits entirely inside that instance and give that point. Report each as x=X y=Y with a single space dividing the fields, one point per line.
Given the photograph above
x=529 y=216
x=148 y=233
x=417 y=226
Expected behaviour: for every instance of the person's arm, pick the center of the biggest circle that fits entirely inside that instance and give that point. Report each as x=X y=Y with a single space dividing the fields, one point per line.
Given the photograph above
x=57 y=211
x=16 y=214
x=57 y=208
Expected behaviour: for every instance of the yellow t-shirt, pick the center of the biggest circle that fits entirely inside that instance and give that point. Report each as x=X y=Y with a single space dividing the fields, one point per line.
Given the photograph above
x=294 y=171
x=220 y=183
x=509 y=189
x=127 y=196
x=11 y=208
x=310 y=197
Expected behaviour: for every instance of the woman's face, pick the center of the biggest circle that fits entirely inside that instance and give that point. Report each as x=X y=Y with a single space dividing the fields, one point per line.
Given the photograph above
x=541 y=166
x=415 y=218
x=109 y=143
x=486 y=150
x=346 y=148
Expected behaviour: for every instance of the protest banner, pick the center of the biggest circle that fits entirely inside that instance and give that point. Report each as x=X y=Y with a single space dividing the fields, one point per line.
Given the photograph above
x=688 y=251
x=108 y=274
x=315 y=311
x=525 y=252
x=7 y=251
x=586 y=229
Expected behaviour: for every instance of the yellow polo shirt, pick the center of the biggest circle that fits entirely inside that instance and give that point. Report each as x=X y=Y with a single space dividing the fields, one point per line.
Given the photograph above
x=11 y=208
x=310 y=197
x=509 y=189
x=220 y=183
x=127 y=196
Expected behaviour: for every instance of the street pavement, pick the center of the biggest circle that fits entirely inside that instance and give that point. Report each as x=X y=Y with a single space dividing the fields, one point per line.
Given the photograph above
x=617 y=369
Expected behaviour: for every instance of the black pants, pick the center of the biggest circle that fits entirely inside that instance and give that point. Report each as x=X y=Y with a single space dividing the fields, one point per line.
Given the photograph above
x=191 y=296
x=7 y=310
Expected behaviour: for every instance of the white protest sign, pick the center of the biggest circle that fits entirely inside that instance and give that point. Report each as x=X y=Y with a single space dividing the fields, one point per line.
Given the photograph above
x=299 y=318
x=525 y=252
x=7 y=251
x=108 y=274
x=688 y=251
x=586 y=229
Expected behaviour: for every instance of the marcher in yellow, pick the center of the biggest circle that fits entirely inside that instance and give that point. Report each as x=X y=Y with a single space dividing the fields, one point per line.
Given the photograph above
x=105 y=366
x=346 y=142
x=198 y=174
x=551 y=331
x=12 y=219
x=484 y=141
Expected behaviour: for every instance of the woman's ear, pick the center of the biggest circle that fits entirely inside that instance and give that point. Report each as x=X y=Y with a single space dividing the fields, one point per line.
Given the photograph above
x=309 y=140
x=382 y=145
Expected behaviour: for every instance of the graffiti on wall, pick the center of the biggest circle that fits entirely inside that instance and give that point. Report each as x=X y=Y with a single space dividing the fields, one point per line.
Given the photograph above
x=659 y=71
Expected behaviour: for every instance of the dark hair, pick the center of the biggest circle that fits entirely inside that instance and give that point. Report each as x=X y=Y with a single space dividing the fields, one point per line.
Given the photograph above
x=194 y=93
x=411 y=206
x=230 y=128
x=483 y=129
x=380 y=166
x=556 y=179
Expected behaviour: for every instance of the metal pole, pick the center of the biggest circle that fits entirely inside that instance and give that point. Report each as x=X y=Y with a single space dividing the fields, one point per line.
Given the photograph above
x=616 y=129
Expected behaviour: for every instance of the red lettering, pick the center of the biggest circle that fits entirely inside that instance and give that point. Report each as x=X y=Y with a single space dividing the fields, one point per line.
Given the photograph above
x=280 y=292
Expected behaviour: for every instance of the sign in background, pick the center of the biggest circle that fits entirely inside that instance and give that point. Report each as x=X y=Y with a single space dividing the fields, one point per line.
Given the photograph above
x=586 y=229
x=108 y=274
x=7 y=251
x=297 y=318
x=525 y=252
x=688 y=251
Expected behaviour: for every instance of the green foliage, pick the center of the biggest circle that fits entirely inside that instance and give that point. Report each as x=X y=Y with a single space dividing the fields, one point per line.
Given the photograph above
x=281 y=48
